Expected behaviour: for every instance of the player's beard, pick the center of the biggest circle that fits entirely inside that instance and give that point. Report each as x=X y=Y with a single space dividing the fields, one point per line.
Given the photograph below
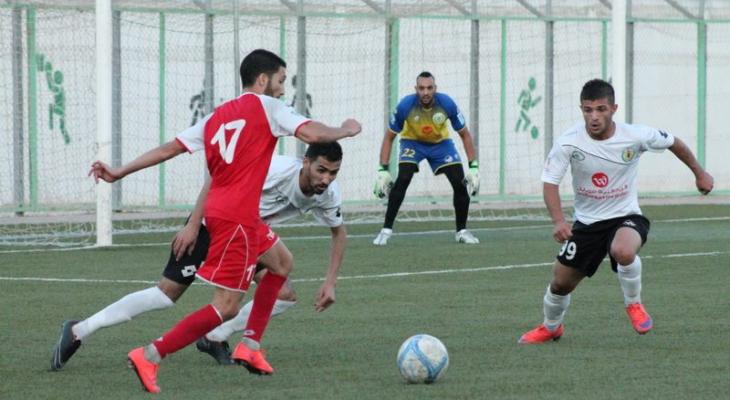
x=269 y=91
x=319 y=189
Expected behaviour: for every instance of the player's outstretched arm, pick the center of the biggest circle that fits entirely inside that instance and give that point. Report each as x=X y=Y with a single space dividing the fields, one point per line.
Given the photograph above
x=153 y=157
x=317 y=132
x=703 y=180
x=326 y=293
x=561 y=229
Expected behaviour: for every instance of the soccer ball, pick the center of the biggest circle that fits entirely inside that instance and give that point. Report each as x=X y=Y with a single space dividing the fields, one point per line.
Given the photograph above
x=422 y=359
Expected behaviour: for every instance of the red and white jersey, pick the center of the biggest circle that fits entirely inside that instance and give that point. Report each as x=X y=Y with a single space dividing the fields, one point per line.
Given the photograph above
x=604 y=171
x=239 y=139
x=282 y=198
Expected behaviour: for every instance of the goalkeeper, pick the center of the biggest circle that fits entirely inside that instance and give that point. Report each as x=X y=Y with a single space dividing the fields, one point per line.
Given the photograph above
x=420 y=119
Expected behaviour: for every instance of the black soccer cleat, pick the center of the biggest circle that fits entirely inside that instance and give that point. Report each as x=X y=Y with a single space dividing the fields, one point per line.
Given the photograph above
x=65 y=347
x=218 y=350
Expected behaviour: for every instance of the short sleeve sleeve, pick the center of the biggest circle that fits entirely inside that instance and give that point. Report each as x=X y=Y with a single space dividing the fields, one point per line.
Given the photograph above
x=458 y=122
x=657 y=140
x=284 y=120
x=556 y=164
x=193 y=137
x=399 y=115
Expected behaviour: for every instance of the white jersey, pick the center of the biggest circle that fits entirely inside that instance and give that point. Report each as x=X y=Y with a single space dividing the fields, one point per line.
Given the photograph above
x=604 y=171
x=282 y=198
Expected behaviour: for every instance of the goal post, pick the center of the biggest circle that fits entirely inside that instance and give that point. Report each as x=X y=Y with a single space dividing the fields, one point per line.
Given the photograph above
x=104 y=117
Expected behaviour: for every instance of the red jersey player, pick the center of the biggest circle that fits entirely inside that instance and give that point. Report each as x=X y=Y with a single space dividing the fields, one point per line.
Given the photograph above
x=239 y=139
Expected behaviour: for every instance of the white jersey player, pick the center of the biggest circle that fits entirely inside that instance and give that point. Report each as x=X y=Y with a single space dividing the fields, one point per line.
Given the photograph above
x=603 y=156
x=293 y=187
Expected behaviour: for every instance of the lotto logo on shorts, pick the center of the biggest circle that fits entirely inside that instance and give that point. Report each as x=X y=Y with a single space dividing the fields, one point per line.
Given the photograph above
x=599 y=179
x=188 y=271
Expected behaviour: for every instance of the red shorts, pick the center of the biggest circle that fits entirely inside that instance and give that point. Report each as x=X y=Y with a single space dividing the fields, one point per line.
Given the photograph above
x=231 y=260
x=267 y=238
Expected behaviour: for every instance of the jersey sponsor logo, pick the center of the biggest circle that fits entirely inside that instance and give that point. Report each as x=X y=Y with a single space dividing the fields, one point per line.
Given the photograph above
x=628 y=154
x=439 y=118
x=599 y=179
x=578 y=156
x=427 y=130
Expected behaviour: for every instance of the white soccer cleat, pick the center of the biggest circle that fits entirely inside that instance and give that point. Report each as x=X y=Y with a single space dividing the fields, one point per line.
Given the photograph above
x=383 y=236
x=466 y=237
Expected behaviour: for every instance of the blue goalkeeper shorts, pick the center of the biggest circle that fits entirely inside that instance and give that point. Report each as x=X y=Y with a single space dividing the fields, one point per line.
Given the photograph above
x=439 y=154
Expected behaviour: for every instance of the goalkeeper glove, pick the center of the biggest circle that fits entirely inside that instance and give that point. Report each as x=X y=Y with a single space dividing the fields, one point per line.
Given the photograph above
x=472 y=178
x=383 y=183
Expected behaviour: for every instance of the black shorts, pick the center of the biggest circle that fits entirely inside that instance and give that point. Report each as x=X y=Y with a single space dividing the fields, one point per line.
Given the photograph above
x=590 y=243
x=183 y=271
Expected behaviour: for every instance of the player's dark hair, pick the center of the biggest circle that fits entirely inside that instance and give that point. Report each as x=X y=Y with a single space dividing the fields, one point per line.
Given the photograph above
x=259 y=62
x=426 y=74
x=597 y=89
x=331 y=151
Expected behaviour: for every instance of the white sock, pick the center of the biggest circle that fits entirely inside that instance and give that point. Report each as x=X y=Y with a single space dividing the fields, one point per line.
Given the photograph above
x=151 y=354
x=629 y=277
x=238 y=323
x=123 y=310
x=554 y=307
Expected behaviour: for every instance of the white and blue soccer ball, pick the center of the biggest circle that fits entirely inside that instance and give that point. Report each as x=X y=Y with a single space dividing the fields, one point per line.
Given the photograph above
x=422 y=359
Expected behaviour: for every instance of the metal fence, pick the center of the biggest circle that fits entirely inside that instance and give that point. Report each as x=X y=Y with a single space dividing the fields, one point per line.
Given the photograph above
x=514 y=67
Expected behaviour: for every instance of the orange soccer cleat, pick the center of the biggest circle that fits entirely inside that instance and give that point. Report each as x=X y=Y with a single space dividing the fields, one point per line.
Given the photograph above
x=253 y=360
x=146 y=370
x=541 y=334
x=640 y=319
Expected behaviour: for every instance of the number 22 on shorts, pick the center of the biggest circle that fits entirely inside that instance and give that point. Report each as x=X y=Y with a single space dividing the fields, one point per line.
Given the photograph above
x=569 y=249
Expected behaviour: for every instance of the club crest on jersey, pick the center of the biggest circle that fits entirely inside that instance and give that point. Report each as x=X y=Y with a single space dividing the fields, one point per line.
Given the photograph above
x=439 y=118
x=599 y=179
x=628 y=154
x=578 y=156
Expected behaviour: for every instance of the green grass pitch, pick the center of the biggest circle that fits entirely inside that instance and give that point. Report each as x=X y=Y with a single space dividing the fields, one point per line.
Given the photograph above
x=476 y=299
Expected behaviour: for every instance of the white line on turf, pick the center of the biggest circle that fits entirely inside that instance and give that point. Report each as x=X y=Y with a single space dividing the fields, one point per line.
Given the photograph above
x=351 y=236
x=352 y=277
x=285 y=238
